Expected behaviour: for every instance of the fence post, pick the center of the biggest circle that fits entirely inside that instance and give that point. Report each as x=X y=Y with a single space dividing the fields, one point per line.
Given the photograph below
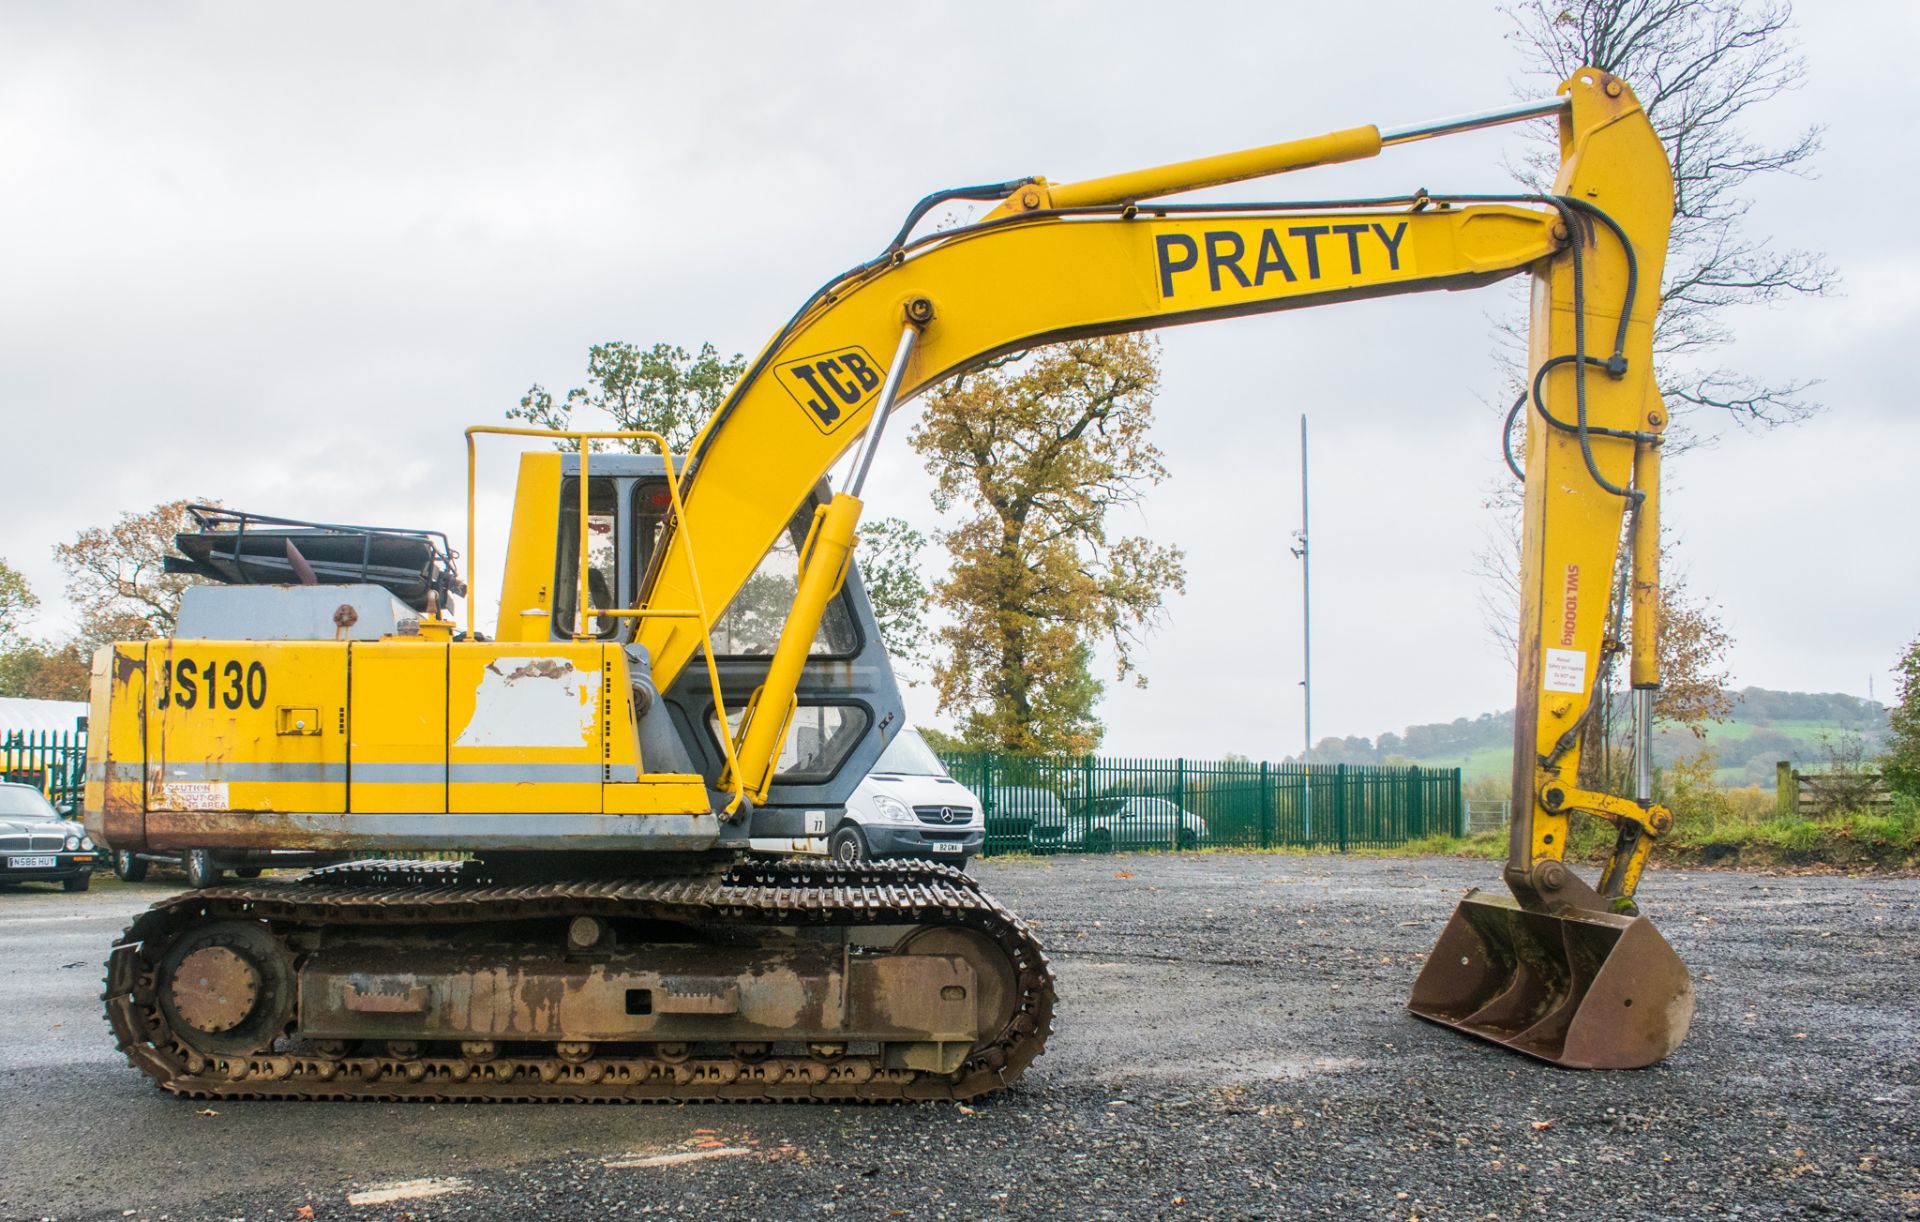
x=1266 y=809
x=1417 y=815
x=987 y=803
x=1084 y=815
x=1786 y=793
x=1179 y=799
x=1340 y=802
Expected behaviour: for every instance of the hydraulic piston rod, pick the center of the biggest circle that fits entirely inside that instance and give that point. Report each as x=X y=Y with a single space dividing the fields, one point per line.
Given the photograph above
x=824 y=559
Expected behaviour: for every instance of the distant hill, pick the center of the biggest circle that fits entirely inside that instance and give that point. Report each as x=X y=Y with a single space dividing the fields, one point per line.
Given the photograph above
x=1765 y=727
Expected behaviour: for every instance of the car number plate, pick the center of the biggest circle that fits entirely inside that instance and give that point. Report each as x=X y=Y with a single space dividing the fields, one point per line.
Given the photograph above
x=946 y=848
x=30 y=863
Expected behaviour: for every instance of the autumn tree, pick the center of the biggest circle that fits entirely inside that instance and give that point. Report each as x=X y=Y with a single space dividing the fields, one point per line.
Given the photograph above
x=1034 y=455
x=116 y=578
x=1693 y=691
x=43 y=670
x=17 y=602
x=663 y=389
x=30 y=667
x=1902 y=763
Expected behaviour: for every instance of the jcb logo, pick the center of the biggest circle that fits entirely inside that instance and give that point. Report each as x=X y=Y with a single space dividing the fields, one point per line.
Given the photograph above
x=832 y=385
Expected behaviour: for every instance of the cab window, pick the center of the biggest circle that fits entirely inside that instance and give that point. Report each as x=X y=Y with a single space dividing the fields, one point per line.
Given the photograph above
x=752 y=622
x=603 y=544
x=652 y=507
x=819 y=739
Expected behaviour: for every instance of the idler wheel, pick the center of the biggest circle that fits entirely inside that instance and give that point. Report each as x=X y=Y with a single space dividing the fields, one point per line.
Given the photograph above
x=997 y=988
x=227 y=987
x=214 y=989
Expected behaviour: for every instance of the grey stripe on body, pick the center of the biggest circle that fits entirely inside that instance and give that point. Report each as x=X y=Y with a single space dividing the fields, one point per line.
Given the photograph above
x=389 y=774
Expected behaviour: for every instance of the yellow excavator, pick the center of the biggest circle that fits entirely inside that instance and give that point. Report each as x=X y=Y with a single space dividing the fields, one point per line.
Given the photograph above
x=684 y=659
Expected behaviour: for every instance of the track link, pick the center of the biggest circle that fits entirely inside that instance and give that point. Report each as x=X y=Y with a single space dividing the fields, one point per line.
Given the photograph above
x=427 y=894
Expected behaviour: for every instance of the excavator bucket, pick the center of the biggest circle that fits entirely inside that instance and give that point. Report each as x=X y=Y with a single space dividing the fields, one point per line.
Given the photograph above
x=1582 y=989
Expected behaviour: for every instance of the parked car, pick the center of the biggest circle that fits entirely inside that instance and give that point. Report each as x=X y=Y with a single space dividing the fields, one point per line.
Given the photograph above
x=1036 y=817
x=909 y=807
x=1134 y=823
x=206 y=867
x=38 y=846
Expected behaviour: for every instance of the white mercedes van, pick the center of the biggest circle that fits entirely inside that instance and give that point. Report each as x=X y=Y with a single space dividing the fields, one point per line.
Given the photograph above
x=906 y=807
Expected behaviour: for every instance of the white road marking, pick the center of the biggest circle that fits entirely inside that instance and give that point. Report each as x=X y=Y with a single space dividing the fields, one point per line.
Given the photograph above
x=674 y=1160
x=407 y=1190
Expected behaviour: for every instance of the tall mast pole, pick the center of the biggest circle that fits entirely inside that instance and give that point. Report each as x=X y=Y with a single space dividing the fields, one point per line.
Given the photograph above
x=1306 y=640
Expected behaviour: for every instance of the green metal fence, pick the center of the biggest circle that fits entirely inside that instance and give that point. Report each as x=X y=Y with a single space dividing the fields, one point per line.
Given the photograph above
x=54 y=762
x=1097 y=804
x=1075 y=804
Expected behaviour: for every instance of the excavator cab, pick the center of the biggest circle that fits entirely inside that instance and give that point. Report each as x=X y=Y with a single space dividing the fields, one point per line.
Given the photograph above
x=847 y=702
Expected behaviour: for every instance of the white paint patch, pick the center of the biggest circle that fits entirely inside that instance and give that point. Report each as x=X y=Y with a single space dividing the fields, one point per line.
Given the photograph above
x=675 y=1159
x=1566 y=671
x=813 y=846
x=407 y=1190
x=533 y=702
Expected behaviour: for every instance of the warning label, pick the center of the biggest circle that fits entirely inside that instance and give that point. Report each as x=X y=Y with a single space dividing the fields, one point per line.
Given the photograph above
x=1566 y=671
x=191 y=795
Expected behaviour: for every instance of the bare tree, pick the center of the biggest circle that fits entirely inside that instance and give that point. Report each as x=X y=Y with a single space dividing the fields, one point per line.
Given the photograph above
x=1700 y=67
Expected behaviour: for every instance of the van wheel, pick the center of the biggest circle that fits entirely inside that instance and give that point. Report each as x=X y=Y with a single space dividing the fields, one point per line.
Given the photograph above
x=128 y=867
x=849 y=846
x=201 y=872
x=1099 y=840
x=248 y=872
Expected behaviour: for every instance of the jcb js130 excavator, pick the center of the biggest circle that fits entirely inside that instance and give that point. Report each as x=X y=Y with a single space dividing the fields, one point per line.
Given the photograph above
x=684 y=658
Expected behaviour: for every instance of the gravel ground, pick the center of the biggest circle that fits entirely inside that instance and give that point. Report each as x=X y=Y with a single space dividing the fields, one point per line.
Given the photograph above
x=1231 y=1044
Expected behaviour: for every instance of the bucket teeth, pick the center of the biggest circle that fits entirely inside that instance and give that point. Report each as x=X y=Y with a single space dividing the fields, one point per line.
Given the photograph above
x=1580 y=989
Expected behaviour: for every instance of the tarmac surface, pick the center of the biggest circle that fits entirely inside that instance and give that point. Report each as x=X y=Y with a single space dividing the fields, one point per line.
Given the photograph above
x=1231 y=1043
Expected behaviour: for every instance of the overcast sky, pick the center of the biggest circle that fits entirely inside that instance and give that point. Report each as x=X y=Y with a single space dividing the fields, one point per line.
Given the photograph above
x=282 y=256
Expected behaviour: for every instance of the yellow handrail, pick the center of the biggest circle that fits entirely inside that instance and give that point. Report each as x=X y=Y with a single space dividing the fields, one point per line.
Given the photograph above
x=682 y=533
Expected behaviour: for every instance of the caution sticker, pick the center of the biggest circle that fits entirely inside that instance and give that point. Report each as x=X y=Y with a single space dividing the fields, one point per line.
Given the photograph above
x=191 y=795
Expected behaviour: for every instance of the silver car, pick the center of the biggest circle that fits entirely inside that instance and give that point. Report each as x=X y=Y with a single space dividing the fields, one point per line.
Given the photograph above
x=1135 y=823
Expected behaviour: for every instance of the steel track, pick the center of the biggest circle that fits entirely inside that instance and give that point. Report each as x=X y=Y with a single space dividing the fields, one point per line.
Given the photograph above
x=426 y=894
